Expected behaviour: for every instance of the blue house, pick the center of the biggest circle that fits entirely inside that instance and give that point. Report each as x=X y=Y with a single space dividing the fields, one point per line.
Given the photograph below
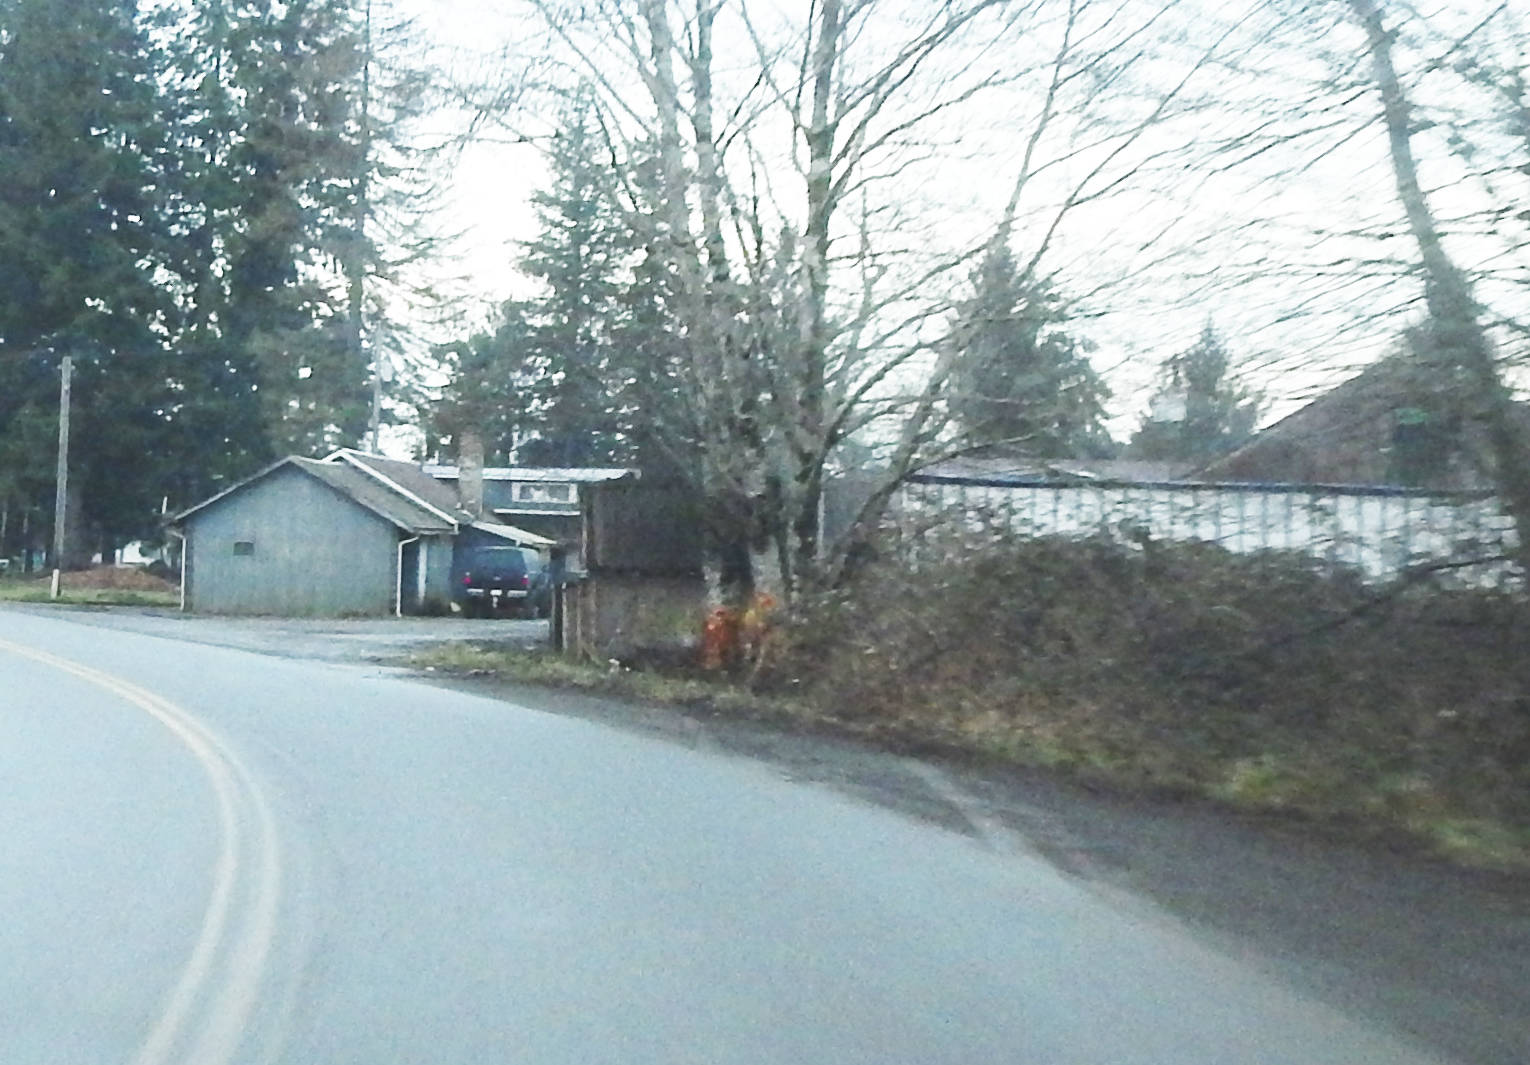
x=350 y=534
x=546 y=500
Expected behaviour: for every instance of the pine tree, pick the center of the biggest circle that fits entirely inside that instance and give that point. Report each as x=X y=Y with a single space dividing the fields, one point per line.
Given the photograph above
x=1200 y=410
x=1022 y=378
x=295 y=161
x=580 y=257
x=82 y=239
x=288 y=153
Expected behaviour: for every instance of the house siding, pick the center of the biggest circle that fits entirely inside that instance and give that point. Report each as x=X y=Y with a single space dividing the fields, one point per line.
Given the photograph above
x=314 y=552
x=428 y=589
x=556 y=521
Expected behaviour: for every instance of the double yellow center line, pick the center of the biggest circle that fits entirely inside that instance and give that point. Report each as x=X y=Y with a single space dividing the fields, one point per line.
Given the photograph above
x=206 y=1013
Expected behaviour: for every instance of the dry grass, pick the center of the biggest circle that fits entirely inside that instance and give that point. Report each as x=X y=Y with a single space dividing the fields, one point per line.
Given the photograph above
x=98 y=586
x=1256 y=680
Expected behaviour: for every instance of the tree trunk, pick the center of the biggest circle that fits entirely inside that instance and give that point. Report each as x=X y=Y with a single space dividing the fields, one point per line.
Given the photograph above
x=805 y=526
x=735 y=574
x=732 y=528
x=809 y=445
x=1453 y=312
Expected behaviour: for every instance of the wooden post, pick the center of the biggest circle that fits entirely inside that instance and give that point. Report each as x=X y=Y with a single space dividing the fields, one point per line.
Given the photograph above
x=557 y=564
x=61 y=491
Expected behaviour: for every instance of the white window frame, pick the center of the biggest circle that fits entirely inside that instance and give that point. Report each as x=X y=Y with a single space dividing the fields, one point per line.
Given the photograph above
x=543 y=492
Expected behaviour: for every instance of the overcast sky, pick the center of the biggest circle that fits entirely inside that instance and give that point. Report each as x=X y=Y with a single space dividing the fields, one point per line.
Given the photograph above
x=1298 y=331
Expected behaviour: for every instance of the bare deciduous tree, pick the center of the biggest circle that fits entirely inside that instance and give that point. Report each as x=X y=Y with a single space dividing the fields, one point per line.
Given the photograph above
x=803 y=202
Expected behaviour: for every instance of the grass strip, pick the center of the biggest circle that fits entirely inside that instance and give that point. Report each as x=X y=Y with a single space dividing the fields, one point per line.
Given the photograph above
x=14 y=591
x=1401 y=811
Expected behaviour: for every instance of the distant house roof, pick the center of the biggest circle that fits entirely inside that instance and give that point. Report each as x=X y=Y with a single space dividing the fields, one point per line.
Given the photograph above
x=1347 y=435
x=559 y=474
x=355 y=484
x=994 y=468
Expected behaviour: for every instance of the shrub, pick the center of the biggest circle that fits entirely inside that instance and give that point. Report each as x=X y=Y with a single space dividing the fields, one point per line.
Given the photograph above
x=1256 y=677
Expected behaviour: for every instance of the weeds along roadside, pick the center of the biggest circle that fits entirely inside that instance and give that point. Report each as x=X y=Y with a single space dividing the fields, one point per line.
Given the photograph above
x=1264 y=681
x=98 y=586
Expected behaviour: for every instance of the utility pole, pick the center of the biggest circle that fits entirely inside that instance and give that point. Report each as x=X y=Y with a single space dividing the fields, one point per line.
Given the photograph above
x=358 y=279
x=61 y=491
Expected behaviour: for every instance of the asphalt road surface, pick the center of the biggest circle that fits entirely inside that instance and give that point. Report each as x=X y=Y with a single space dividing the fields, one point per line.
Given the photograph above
x=211 y=856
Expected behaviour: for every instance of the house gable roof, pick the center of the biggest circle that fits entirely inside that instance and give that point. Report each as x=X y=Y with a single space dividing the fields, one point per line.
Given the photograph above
x=407 y=480
x=355 y=484
x=1344 y=435
x=379 y=497
x=406 y=495
x=1332 y=418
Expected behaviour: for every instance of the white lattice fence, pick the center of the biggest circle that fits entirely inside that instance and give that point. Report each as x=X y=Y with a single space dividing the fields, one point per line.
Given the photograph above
x=1379 y=531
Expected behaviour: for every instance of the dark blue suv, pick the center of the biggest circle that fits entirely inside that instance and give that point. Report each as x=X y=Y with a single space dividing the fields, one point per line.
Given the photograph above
x=503 y=579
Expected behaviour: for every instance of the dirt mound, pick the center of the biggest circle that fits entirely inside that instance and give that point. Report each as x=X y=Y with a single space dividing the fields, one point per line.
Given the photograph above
x=117 y=578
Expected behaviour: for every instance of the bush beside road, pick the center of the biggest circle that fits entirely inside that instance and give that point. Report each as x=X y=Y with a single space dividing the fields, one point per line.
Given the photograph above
x=1256 y=681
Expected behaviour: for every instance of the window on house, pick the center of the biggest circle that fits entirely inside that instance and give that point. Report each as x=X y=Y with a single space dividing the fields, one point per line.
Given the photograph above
x=1421 y=448
x=544 y=492
x=244 y=547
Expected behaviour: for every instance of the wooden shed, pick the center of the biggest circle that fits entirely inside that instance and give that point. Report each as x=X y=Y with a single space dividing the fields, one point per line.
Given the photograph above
x=643 y=585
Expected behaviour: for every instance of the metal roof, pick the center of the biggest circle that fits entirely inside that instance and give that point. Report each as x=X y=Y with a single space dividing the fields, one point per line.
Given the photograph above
x=514 y=535
x=559 y=510
x=1020 y=469
x=561 y=474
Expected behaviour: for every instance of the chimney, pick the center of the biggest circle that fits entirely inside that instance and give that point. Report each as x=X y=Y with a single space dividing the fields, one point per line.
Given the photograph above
x=470 y=471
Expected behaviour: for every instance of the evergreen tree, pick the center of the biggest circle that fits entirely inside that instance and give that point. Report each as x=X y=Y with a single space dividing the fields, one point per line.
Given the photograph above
x=491 y=388
x=82 y=239
x=279 y=155
x=1199 y=410
x=299 y=190
x=582 y=373
x=581 y=257
x=1021 y=377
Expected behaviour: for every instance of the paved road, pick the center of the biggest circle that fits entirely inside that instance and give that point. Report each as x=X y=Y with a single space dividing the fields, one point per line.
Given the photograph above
x=321 y=639
x=210 y=856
